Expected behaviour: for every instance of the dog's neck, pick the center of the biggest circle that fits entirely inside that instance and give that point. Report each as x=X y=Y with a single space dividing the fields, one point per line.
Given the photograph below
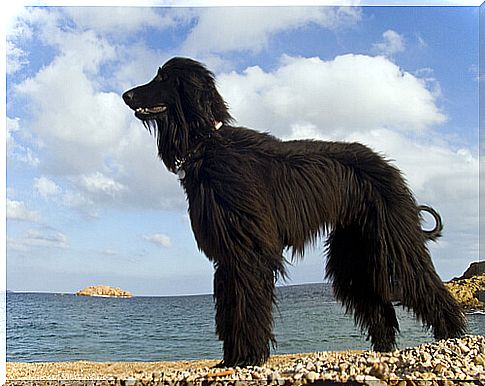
x=181 y=163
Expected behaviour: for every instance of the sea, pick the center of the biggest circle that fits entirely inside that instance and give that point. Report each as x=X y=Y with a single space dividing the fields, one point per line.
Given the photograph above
x=43 y=327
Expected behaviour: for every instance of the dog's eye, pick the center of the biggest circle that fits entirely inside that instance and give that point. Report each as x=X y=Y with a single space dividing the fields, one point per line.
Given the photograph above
x=161 y=75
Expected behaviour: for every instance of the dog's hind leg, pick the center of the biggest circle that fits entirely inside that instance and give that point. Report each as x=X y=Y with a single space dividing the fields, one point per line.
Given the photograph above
x=244 y=294
x=358 y=277
x=422 y=290
x=416 y=283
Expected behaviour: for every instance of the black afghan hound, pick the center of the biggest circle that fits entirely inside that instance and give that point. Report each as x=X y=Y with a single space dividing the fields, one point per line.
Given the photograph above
x=252 y=196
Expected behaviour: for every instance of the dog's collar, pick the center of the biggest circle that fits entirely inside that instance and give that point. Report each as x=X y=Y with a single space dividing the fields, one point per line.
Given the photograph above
x=180 y=164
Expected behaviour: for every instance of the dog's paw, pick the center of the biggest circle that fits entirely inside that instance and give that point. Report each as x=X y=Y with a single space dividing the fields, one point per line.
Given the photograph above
x=219 y=365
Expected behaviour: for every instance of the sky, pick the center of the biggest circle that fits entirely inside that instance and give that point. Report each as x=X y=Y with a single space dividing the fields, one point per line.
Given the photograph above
x=88 y=201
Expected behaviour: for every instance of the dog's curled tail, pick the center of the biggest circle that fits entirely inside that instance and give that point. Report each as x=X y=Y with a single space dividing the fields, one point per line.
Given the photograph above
x=434 y=233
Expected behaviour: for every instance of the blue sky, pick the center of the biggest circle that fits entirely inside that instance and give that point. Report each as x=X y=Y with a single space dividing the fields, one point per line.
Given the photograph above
x=88 y=202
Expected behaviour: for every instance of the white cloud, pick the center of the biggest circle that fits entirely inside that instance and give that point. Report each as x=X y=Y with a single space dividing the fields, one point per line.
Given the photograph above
x=17 y=210
x=69 y=109
x=70 y=114
x=351 y=92
x=139 y=64
x=85 y=194
x=149 y=184
x=46 y=187
x=13 y=125
x=86 y=49
x=98 y=183
x=15 y=150
x=80 y=202
x=109 y=252
x=391 y=44
x=50 y=26
x=129 y=19
x=39 y=239
x=159 y=239
x=420 y=41
x=21 y=24
x=221 y=29
x=16 y=58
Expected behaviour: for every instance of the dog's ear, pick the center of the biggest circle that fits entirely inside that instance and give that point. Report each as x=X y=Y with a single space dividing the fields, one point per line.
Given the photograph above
x=201 y=94
x=215 y=104
x=219 y=107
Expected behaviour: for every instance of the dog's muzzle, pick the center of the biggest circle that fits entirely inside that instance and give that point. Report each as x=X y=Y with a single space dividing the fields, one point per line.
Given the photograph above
x=130 y=99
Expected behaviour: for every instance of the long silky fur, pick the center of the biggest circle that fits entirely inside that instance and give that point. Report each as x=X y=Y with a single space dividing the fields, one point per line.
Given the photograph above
x=252 y=196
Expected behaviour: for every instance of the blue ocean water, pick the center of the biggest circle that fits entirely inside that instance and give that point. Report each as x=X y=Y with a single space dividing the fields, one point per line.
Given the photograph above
x=58 y=327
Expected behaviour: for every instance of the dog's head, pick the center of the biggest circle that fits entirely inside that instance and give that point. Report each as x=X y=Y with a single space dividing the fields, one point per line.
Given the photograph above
x=181 y=104
x=151 y=100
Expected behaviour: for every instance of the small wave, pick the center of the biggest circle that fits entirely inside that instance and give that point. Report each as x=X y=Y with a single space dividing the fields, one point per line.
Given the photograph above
x=476 y=312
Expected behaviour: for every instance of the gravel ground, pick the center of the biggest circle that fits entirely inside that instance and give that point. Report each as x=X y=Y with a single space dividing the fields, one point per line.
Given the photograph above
x=444 y=362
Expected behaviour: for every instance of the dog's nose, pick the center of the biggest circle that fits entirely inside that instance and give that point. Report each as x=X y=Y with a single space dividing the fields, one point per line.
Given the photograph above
x=129 y=96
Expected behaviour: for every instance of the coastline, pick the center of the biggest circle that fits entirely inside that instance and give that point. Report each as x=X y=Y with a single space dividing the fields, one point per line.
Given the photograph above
x=452 y=360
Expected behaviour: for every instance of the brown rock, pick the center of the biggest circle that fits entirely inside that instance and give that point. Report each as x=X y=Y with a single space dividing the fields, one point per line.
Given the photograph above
x=439 y=368
x=466 y=291
x=379 y=370
x=104 y=291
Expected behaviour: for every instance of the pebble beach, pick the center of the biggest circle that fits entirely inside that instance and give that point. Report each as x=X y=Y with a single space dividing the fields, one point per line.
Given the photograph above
x=443 y=362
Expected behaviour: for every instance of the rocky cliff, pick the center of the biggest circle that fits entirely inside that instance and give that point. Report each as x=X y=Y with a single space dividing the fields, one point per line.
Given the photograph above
x=469 y=289
x=104 y=291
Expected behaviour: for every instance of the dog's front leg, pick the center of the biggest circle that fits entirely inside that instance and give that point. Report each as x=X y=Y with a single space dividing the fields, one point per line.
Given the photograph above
x=244 y=293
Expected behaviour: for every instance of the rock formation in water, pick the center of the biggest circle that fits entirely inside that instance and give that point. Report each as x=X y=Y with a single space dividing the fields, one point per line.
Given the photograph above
x=104 y=291
x=469 y=289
